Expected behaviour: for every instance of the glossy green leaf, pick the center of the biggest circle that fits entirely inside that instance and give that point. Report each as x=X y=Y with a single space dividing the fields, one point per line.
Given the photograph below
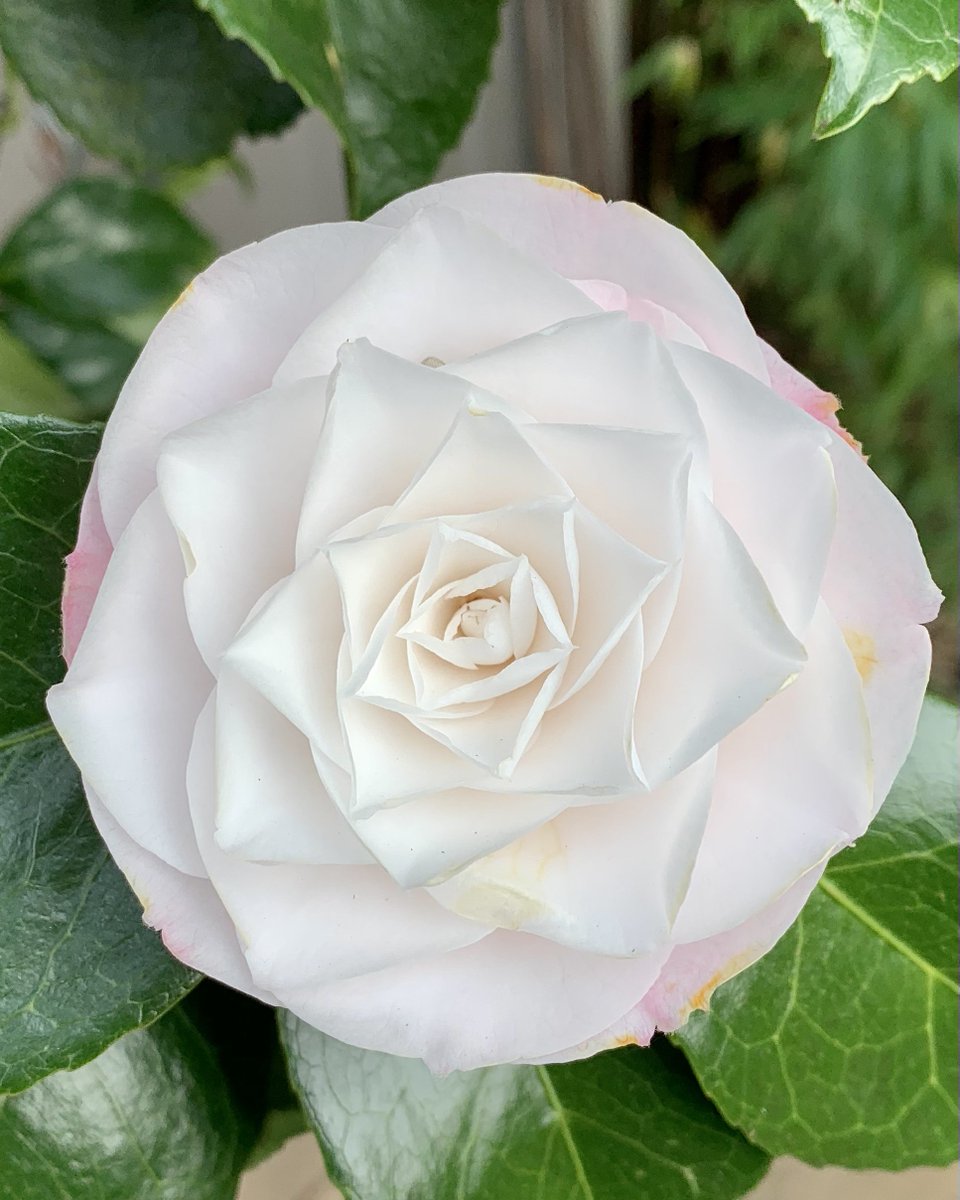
x=398 y=78
x=875 y=46
x=44 y=467
x=103 y=252
x=840 y=1046
x=150 y=1119
x=91 y=360
x=626 y=1124
x=27 y=387
x=154 y=85
x=77 y=966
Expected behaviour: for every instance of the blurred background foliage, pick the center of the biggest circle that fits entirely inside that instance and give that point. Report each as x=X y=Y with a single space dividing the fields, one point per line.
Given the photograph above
x=844 y=250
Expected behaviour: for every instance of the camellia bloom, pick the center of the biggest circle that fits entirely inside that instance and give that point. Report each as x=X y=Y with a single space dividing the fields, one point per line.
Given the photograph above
x=480 y=640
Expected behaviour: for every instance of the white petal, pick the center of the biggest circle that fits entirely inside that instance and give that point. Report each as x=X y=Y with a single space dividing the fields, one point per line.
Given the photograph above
x=637 y=483
x=387 y=419
x=289 y=652
x=428 y=839
x=485 y=463
x=221 y=342
x=444 y=287
x=606 y=878
x=186 y=910
x=726 y=652
x=600 y=370
x=128 y=704
x=585 y=745
x=233 y=486
x=575 y=233
x=510 y=996
x=772 y=479
x=271 y=805
x=879 y=589
x=304 y=925
x=794 y=785
x=612 y=297
x=615 y=579
x=393 y=761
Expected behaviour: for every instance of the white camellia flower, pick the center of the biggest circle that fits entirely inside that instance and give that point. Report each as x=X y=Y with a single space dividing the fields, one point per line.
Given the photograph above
x=480 y=641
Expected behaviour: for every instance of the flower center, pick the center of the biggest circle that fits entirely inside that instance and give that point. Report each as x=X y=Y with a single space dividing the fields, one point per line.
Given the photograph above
x=487 y=619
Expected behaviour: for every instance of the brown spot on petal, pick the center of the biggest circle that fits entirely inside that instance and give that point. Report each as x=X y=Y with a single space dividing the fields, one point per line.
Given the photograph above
x=700 y=1000
x=565 y=185
x=864 y=651
x=183 y=295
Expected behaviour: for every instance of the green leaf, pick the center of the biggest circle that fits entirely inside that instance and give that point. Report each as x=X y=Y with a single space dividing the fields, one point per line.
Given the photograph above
x=153 y=85
x=398 y=78
x=103 y=252
x=875 y=46
x=26 y=386
x=626 y=1124
x=91 y=360
x=77 y=966
x=44 y=468
x=150 y=1119
x=840 y=1046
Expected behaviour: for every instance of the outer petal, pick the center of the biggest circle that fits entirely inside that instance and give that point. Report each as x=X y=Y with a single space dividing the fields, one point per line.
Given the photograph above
x=693 y=972
x=233 y=486
x=772 y=479
x=794 y=785
x=879 y=589
x=221 y=342
x=303 y=925
x=507 y=998
x=186 y=910
x=127 y=706
x=444 y=287
x=576 y=234
x=86 y=566
x=799 y=390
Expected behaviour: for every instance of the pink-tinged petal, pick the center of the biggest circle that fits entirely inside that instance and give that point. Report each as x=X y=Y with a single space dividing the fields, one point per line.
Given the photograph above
x=508 y=998
x=86 y=566
x=445 y=287
x=302 y=926
x=222 y=342
x=794 y=784
x=880 y=592
x=575 y=233
x=792 y=386
x=232 y=485
x=271 y=805
x=720 y=660
x=185 y=910
x=128 y=703
x=693 y=972
x=772 y=479
x=611 y=297
x=607 y=879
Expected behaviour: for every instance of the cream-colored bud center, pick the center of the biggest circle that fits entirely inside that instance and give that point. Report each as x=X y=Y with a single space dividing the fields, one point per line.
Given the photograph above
x=485 y=618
